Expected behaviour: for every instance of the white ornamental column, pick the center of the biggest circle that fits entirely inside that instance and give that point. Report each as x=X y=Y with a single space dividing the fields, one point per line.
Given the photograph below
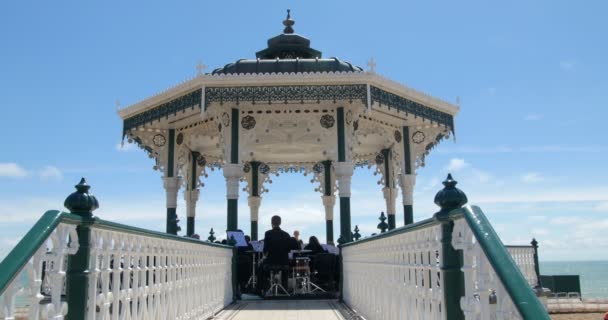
x=344 y=174
x=233 y=173
x=329 y=202
x=407 y=188
x=390 y=196
x=191 y=197
x=172 y=185
x=254 y=209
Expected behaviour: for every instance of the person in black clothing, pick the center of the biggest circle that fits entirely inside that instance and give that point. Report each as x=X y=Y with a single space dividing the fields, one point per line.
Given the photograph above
x=277 y=244
x=314 y=246
x=297 y=242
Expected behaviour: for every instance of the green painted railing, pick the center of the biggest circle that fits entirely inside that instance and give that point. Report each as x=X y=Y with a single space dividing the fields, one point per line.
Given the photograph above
x=505 y=267
x=29 y=244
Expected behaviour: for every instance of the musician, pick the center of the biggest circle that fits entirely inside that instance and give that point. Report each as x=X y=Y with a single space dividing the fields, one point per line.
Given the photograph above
x=314 y=246
x=277 y=244
x=298 y=244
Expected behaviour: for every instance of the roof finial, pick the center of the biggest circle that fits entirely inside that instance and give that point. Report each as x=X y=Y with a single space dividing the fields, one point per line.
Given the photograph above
x=288 y=23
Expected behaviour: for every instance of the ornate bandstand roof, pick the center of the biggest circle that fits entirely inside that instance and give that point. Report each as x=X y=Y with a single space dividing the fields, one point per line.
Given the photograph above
x=287 y=101
x=287 y=53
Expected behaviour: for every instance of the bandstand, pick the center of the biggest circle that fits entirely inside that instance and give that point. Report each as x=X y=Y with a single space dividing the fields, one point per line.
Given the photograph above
x=288 y=110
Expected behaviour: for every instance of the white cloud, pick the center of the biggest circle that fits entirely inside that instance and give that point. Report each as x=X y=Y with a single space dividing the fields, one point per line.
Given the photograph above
x=539 y=232
x=533 y=117
x=601 y=207
x=50 y=173
x=482 y=176
x=125 y=146
x=532 y=177
x=456 y=164
x=12 y=170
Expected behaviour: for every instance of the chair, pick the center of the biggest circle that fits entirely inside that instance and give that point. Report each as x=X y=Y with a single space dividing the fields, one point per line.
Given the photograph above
x=276 y=280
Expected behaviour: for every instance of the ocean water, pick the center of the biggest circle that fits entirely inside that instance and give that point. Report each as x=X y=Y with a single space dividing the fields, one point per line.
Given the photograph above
x=593 y=275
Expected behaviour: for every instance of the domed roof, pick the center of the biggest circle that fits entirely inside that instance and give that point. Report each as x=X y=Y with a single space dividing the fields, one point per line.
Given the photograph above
x=287 y=52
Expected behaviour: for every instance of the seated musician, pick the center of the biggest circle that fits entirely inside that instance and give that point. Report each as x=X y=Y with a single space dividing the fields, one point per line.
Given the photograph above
x=314 y=246
x=277 y=244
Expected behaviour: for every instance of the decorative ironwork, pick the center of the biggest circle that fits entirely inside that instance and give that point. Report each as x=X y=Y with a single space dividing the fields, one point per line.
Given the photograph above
x=248 y=122
x=264 y=168
x=201 y=160
x=418 y=137
x=398 y=136
x=408 y=106
x=226 y=119
x=317 y=168
x=190 y=100
x=180 y=138
x=379 y=159
x=286 y=94
x=159 y=140
x=349 y=117
x=247 y=167
x=327 y=121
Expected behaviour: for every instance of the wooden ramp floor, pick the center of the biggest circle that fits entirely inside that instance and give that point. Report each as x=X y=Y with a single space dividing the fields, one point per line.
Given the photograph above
x=286 y=310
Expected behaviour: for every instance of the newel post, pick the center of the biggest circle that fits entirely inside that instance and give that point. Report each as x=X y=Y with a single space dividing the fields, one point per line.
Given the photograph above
x=77 y=278
x=448 y=199
x=534 y=244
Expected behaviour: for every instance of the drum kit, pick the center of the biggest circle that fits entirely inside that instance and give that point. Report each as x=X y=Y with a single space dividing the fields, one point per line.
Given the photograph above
x=299 y=282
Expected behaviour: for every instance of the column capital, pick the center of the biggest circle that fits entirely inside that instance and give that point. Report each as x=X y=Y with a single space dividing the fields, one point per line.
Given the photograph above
x=233 y=170
x=344 y=173
x=344 y=169
x=172 y=185
x=191 y=197
x=254 y=207
x=233 y=173
x=407 y=188
x=390 y=196
x=329 y=202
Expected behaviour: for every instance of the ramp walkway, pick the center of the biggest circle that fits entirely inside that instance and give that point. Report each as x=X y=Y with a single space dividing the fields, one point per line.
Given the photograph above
x=286 y=310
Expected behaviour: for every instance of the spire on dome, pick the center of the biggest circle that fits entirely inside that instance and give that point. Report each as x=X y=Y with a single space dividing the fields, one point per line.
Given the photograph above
x=288 y=22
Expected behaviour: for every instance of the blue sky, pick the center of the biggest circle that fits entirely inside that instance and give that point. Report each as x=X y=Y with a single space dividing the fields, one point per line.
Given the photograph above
x=531 y=77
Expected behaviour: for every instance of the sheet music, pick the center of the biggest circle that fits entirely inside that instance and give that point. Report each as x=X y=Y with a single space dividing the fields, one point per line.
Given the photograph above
x=239 y=237
x=257 y=245
x=331 y=249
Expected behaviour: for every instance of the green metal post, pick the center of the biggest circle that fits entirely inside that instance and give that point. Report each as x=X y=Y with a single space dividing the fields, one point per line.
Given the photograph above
x=254 y=230
x=328 y=191
x=408 y=210
x=77 y=277
x=190 y=226
x=233 y=214
x=345 y=219
x=448 y=199
x=344 y=201
x=539 y=284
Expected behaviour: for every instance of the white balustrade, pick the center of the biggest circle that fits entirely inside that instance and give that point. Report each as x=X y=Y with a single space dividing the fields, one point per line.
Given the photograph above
x=139 y=276
x=485 y=296
x=50 y=258
x=395 y=277
x=524 y=258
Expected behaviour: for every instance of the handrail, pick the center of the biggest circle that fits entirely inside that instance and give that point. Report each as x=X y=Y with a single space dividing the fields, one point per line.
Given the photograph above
x=505 y=267
x=25 y=249
x=109 y=225
x=408 y=228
